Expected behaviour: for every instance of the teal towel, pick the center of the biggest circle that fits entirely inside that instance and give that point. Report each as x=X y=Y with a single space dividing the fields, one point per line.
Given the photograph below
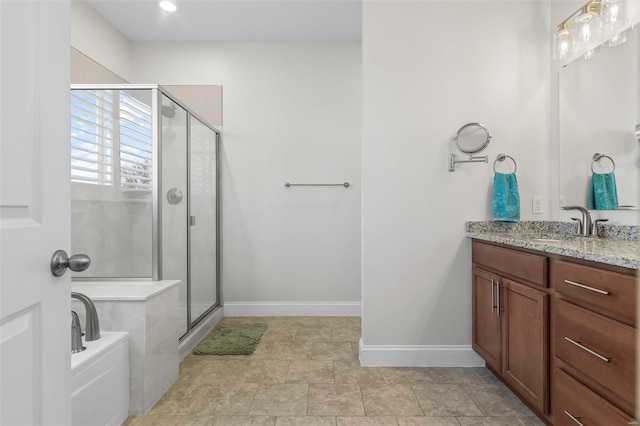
x=506 y=199
x=603 y=194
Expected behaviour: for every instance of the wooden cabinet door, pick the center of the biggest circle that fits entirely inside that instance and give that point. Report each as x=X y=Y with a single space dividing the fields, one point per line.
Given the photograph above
x=525 y=337
x=486 y=322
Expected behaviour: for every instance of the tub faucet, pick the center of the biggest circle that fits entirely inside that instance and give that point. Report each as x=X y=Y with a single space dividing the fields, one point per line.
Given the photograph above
x=585 y=227
x=76 y=334
x=92 y=327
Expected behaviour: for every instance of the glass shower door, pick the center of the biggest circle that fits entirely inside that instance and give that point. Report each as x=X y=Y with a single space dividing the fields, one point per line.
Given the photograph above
x=203 y=229
x=173 y=199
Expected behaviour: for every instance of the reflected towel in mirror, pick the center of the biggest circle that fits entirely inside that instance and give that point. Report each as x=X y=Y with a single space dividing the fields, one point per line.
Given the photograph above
x=603 y=194
x=506 y=198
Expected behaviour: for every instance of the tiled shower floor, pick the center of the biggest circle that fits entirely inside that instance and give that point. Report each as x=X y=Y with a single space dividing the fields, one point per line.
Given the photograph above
x=305 y=371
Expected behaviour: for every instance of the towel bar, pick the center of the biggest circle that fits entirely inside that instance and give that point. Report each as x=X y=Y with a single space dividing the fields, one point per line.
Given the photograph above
x=345 y=184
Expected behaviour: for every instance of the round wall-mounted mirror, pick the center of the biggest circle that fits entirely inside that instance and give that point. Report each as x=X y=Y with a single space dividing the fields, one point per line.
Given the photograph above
x=472 y=138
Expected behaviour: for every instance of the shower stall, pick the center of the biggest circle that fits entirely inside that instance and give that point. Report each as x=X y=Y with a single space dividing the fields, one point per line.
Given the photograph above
x=144 y=192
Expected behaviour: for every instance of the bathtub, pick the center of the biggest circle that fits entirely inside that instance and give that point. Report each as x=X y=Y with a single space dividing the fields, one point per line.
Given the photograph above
x=148 y=311
x=100 y=381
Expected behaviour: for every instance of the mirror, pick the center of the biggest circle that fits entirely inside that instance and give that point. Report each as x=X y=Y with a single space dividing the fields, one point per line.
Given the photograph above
x=599 y=110
x=472 y=138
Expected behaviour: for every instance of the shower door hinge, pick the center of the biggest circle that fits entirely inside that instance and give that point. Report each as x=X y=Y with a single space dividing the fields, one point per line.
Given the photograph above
x=192 y=221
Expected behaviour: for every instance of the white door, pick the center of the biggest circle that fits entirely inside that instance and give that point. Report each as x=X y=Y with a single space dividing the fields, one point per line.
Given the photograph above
x=34 y=212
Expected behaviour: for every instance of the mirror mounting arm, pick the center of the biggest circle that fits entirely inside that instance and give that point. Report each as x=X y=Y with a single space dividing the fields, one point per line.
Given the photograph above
x=472 y=159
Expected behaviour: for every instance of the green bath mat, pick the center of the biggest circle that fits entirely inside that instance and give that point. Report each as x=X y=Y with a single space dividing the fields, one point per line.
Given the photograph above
x=231 y=339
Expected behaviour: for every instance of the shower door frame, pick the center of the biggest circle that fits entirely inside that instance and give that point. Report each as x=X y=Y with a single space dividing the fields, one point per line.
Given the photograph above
x=191 y=324
x=157 y=99
x=156 y=192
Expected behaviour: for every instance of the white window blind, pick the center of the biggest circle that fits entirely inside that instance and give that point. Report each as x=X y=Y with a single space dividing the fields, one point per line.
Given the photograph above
x=111 y=139
x=92 y=136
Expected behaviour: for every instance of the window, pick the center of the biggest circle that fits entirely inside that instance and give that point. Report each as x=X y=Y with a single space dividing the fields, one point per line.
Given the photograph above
x=111 y=138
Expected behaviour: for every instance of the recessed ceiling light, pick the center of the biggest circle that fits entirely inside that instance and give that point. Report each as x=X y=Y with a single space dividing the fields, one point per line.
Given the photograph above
x=169 y=6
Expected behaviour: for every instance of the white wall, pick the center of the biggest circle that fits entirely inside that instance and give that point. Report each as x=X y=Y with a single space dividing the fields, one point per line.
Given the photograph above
x=92 y=35
x=429 y=68
x=85 y=70
x=291 y=113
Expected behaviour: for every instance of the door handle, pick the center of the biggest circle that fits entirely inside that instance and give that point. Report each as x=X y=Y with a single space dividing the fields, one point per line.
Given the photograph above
x=586 y=287
x=498 y=297
x=574 y=418
x=586 y=349
x=493 y=306
x=60 y=261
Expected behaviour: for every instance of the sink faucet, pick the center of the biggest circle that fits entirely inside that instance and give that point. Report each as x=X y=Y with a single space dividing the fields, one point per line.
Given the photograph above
x=585 y=225
x=92 y=328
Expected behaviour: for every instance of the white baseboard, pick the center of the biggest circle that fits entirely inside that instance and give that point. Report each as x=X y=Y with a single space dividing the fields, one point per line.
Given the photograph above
x=291 y=309
x=419 y=356
x=190 y=341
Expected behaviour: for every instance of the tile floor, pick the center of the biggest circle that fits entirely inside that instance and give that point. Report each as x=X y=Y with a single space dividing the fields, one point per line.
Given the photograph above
x=305 y=371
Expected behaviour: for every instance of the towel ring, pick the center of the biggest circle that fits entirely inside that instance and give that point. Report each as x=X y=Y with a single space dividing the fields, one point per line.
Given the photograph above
x=502 y=157
x=597 y=157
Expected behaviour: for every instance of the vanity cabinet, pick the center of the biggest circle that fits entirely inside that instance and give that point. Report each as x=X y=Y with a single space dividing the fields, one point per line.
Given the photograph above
x=594 y=337
x=561 y=333
x=511 y=319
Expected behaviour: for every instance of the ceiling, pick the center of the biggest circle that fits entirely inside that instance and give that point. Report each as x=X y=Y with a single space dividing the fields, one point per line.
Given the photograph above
x=235 y=20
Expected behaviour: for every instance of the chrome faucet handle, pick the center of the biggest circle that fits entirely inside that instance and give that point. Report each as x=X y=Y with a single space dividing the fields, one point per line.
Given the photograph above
x=76 y=334
x=580 y=225
x=594 y=226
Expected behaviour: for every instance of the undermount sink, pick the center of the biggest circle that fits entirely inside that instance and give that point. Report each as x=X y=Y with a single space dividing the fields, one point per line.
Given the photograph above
x=547 y=240
x=563 y=238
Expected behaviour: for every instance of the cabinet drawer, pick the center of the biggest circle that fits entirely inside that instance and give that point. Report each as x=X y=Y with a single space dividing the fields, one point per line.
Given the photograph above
x=575 y=400
x=527 y=266
x=610 y=291
x=598 y=347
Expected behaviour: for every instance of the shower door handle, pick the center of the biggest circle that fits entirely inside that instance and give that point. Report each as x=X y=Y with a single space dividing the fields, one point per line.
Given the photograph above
x=192 y=221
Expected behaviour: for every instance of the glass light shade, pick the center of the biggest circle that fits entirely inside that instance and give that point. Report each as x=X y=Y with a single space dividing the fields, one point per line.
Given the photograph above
x=617 y=39
x=592 y=53
x=614 y=15
x=562 y=44
x=586 y=30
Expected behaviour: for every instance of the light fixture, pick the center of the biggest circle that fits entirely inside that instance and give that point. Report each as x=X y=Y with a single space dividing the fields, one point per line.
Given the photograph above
x=617 y=39
x=167 y=5
x=562 y=44
x=585 y=29
x=614 y=15
x=591 y=53
x=587 y=26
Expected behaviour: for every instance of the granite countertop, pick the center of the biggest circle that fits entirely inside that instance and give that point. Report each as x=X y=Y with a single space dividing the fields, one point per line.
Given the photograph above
x=615 y=245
